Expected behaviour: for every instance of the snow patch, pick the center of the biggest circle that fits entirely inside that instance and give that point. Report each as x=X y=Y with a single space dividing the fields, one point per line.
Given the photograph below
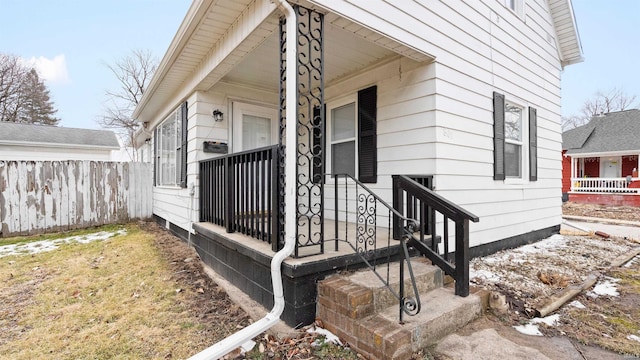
x=328 y=335
x=484 y=275
x=634 y=337
x=607 y=287
x=631 y=262
x=577 y=304
x=531 y=328
x=50 y=245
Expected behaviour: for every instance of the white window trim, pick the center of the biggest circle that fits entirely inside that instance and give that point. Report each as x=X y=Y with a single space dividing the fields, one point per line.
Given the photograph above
x=519 y=7
x=177 y=116
x=239 y=108
x=346 y=100
x=524 y=145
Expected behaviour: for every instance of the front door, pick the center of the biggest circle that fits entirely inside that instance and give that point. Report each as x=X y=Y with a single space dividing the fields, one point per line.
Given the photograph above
x=254 y=126
x=610 y=167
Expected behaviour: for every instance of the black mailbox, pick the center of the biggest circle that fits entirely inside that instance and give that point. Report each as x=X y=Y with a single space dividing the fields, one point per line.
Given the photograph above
x=215 y=147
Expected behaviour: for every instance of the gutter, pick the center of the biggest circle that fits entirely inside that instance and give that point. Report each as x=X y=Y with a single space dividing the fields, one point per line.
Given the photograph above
x=234 y=341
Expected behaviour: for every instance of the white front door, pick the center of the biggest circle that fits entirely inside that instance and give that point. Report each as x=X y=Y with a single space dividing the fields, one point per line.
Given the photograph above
x=254 y=126
x=611 y=167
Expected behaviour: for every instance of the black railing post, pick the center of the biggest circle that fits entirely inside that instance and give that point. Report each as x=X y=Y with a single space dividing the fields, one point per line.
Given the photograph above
x=462 y=257
x=397 y=200
x=229 y=194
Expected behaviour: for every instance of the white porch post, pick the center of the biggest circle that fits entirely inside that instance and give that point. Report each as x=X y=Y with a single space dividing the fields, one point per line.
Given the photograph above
x=573 y=171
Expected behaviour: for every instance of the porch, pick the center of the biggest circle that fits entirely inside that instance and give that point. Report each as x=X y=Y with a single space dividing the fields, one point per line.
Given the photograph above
x=607 y=179
x=343 y=227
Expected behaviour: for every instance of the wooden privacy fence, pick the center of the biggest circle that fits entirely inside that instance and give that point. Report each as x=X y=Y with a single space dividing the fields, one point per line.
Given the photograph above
x=49 y=196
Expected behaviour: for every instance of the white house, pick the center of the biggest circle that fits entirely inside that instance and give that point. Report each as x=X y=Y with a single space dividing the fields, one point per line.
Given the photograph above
x=49 y=143
x=463 y=96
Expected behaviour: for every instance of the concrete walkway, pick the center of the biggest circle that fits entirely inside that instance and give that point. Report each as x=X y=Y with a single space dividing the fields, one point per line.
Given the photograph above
x=486 y=339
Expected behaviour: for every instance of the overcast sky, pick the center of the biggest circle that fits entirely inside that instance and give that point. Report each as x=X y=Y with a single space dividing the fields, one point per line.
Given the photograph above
x=70 y=41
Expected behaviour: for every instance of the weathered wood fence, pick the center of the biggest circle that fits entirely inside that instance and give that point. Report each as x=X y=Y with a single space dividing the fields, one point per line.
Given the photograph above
x=49 y=196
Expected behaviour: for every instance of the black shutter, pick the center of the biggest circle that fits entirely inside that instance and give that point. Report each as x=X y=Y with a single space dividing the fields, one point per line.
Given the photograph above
x=498 y=136
x=533 y=144
x=318 y=149
x=183 y=148
x=367 y=141
x=156 y=142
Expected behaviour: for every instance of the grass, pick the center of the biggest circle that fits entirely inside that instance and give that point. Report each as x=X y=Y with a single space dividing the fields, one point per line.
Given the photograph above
x=607 y=322
x=106 y=299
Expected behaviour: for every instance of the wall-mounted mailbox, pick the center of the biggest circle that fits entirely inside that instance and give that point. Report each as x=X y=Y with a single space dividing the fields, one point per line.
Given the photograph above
x=215 y=147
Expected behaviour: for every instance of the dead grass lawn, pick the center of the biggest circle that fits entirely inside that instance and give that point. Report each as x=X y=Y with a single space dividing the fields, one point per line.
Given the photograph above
x=121 y=298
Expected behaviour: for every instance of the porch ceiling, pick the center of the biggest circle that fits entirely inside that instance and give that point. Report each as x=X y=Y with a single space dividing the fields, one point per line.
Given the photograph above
x=346 y=52
x=221 y=40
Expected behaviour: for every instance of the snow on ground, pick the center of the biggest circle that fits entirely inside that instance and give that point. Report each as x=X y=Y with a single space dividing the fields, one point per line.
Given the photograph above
x=517 y=272
x=328 y=335
x=49 y=245
x=531 y=328
x=606 y=287
x=631 y=262
x=577 y=304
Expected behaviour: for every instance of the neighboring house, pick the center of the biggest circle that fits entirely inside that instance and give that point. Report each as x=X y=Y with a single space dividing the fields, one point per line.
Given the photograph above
x=601 y=160
x=49 y=143
x=462 y=96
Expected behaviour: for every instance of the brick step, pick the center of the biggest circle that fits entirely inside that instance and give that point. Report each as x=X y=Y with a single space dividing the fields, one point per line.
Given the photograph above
x=361 y=311
x=427 y=277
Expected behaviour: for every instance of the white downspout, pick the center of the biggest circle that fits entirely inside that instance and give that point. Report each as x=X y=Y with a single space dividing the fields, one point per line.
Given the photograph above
x=234 y=341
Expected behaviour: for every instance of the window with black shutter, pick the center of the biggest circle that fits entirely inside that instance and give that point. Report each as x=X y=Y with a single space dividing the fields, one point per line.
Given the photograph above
x=367 y=139
x=498 y=136
x=533 y=144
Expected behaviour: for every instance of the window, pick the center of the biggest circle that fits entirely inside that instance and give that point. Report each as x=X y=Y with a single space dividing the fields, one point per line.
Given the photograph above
x=510 y=135
x=517 y=6
x=343 y=140
x=353 y=139
x=170 y=149
x=513 y=140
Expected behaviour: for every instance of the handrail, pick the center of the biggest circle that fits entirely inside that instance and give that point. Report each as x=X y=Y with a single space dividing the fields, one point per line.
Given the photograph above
x=407 y=305
x=430 y=203
x=438 y=202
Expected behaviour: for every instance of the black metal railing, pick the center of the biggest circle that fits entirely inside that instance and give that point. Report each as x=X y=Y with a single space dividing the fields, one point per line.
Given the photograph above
x=240 y=192
x=364 y=221
x=434 y=214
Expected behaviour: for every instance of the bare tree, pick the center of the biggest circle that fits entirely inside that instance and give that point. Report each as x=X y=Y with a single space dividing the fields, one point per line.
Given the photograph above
x=133 y=74
x=600 y=103
x=24 y=97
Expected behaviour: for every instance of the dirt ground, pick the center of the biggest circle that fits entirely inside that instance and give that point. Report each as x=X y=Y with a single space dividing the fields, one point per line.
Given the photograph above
x=532 y=276
x=299 y=345
x=628 y=213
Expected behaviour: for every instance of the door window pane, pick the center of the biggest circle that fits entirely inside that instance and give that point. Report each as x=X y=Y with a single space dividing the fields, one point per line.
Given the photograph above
x=256 y=132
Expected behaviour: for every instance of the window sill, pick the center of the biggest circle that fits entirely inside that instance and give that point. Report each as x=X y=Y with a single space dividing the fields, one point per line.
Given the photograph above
x=515 y=181
x=169 y=187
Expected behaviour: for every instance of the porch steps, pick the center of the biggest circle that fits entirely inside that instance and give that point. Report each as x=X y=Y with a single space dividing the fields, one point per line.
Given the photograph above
x=361 y=311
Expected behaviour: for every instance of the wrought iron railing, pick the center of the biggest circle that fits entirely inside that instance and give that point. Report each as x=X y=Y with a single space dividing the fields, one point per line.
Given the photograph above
x=434 y=214
x=364 y=221
x=240 y=192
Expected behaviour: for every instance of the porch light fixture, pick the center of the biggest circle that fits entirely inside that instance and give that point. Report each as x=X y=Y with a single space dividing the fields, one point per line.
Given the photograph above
x=217 y=115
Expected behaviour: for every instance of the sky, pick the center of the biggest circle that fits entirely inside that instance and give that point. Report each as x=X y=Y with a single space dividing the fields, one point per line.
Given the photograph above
x=72 y=41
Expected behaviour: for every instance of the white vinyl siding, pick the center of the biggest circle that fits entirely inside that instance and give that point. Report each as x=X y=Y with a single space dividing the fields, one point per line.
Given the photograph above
x=438 y=118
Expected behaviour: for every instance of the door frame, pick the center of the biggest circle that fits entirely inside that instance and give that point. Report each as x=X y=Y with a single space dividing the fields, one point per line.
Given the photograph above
x=240 y=108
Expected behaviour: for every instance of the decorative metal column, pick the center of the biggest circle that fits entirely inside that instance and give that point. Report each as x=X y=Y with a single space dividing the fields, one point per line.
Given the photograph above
x=310 y=151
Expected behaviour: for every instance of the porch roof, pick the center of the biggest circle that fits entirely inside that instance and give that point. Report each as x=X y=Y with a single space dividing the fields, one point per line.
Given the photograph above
x=215 y=40
x=611 y=132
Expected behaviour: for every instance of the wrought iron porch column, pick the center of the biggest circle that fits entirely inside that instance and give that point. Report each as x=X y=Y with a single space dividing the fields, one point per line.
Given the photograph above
x=309 y=150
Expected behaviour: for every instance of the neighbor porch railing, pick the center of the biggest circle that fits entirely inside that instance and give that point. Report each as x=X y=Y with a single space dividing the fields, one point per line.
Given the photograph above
x=604 y=185
x=240 y=192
